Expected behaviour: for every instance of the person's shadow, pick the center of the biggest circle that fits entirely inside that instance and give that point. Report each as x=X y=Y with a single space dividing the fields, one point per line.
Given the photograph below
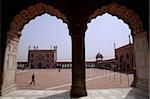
x=64 y=95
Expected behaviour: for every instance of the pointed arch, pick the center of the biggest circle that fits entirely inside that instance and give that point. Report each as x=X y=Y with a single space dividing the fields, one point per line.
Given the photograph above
x=127 y=15
x=140 y=40
x=30 y=13
x=13 y=37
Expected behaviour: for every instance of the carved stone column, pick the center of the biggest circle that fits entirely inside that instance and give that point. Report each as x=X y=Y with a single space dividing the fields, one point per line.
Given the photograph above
x=142 y=60
x=10 y=65
x=78 y=88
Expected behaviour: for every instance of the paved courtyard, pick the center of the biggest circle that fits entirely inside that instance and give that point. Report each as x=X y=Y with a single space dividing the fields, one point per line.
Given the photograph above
x=52 y=84
x=52 y=79
x=116 y=93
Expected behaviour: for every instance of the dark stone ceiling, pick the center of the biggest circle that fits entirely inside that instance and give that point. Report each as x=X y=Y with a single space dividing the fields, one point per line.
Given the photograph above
x=75 y=10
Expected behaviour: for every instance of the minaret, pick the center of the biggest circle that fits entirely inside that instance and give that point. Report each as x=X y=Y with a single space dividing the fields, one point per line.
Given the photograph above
x=56 y=47
x=36 y=47
x=129 y=40
x=29 y=47
x=51 y=47
x=114 y=46
x=115 y=49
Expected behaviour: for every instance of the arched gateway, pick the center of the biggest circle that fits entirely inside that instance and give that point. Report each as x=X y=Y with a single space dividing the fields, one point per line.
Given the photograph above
x=77 y=23
x=13 y=36
x=140 y=39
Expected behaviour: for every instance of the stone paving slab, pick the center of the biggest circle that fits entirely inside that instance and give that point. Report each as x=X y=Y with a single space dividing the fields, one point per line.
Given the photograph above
x=117 y=93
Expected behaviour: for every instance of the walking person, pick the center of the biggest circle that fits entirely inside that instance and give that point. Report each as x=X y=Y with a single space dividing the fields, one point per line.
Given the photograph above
x=33 y=79
x=59 y=69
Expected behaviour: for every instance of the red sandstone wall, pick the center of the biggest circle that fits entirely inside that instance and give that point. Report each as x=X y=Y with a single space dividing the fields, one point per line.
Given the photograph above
x=42 y=58
x=127 y=59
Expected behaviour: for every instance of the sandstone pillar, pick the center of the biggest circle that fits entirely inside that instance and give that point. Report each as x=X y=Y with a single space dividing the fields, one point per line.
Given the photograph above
x=142 y=60
x=10 y=65
x=78 y=88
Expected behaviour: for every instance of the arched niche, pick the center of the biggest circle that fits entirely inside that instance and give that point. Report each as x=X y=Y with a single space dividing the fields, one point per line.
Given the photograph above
x=13 y=36
x=140 y=39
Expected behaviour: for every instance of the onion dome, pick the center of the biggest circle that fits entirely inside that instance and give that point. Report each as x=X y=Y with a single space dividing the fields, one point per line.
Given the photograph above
x=99 y=55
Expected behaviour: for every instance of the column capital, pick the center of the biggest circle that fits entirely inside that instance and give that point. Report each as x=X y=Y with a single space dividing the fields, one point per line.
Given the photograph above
x=11 y=35
x=78 y=29
x=142 y=33
x=77 y=35
x=141 y=36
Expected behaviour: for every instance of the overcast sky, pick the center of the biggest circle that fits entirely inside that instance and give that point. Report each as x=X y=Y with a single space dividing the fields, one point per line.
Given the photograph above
x=46 y=31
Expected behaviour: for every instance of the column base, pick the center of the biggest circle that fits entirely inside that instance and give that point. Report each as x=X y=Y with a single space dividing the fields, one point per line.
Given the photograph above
x=138 y=94
x=5 y=90
x=143 y=84
x=78 y=91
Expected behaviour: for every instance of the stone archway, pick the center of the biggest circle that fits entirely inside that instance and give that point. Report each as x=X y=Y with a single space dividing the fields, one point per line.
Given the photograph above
x=13 y=36
x=127 y=15
x=140 y=39
x=30 y=13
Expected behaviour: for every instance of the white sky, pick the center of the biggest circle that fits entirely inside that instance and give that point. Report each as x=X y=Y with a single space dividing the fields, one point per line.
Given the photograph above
x=46 y=31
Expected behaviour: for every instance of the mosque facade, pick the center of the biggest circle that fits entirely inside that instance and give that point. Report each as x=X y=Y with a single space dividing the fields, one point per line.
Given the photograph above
x=44 y=59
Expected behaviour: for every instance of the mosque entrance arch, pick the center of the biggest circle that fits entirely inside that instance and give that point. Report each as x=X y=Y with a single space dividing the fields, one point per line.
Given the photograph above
x=140 y=39
x=13 y=37
x=40 y=65
x=78 y=47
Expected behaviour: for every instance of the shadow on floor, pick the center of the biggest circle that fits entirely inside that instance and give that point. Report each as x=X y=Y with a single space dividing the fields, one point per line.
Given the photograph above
x=135 y=93
x=64 y=95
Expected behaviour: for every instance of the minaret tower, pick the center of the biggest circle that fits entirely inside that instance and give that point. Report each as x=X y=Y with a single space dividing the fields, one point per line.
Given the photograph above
x=129 y=40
